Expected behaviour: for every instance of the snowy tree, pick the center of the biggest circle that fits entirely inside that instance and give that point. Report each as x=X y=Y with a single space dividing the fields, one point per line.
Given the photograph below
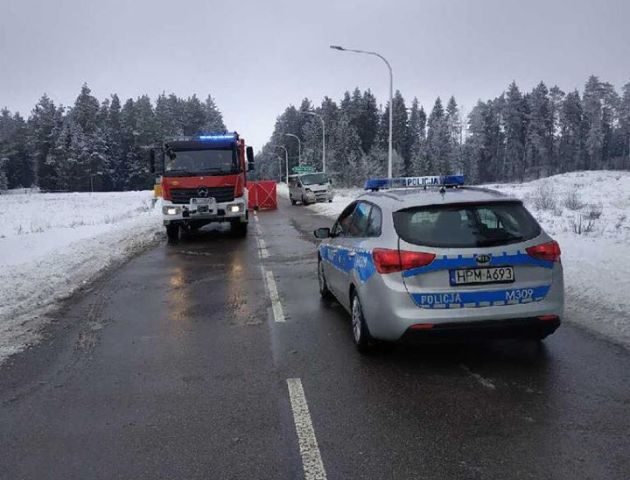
x=214 y=118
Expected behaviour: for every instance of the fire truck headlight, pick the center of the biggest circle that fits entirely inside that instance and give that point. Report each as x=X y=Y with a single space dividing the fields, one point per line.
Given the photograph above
x=235 y=208
x=171 y=210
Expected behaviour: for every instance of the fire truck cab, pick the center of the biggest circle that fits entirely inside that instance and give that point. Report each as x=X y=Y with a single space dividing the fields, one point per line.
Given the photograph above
x=204 y=180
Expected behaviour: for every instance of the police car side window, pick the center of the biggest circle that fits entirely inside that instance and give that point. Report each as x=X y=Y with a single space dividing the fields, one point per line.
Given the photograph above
x=374 y=223
x=342 y=225
x=361 y=215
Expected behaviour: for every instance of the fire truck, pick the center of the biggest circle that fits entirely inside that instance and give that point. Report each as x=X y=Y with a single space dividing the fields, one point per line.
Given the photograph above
x=203 y=180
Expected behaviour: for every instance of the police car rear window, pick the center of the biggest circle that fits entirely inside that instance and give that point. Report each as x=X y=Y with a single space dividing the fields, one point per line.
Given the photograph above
x=466 y=225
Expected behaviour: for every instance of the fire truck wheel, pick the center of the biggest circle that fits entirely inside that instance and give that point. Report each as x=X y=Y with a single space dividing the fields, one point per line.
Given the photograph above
x=172 y=232
x=238 y=228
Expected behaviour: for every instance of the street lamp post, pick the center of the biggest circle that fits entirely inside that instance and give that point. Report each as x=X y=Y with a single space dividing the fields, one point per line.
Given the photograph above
x=299 y=146
x=286 y=160
x=391 y=97
x=323 y=136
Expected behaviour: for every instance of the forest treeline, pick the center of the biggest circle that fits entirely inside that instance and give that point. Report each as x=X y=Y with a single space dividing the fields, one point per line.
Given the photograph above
x=94 y=144
x=513 y=137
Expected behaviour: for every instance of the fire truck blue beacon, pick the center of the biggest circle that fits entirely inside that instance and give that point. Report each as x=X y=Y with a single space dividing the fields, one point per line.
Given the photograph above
x=429 y=258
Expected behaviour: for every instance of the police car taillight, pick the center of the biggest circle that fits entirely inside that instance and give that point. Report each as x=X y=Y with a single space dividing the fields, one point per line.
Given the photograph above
x=390 y=261
x=549 y=251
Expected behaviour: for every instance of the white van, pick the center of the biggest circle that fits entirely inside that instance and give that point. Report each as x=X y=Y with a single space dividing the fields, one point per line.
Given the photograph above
x=310 y=188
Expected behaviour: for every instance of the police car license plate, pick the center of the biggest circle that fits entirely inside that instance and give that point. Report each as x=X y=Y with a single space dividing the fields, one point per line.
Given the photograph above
x=468 y=276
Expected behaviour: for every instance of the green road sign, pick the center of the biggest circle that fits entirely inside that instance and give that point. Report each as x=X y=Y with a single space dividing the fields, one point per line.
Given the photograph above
x=303 y=169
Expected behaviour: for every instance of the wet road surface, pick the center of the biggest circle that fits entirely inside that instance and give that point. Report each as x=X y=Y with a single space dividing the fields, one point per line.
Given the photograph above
x=216 y=359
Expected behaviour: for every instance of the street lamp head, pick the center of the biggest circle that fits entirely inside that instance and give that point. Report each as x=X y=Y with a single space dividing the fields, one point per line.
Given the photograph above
x=337 y=47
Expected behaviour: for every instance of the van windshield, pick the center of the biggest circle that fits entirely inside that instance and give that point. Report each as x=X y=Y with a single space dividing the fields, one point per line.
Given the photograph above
x=314 y=179
x=466 y=225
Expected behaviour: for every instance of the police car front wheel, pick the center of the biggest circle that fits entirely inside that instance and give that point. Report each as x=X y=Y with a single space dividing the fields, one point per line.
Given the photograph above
x=321 y=278
x=360 y=332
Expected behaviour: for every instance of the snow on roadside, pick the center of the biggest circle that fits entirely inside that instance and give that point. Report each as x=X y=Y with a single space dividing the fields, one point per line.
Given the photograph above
x=51 y=244
x=596 y=262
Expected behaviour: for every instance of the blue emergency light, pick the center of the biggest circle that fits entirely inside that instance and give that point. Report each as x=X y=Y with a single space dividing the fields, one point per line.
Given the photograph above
x=219 y=137
x=415 y=182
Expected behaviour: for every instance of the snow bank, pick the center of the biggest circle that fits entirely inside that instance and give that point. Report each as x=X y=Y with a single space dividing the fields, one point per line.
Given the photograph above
x=588 y=213
x=51 y=244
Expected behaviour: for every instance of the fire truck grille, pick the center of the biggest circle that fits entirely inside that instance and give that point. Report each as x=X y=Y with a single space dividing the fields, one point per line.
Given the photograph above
x=220 y=194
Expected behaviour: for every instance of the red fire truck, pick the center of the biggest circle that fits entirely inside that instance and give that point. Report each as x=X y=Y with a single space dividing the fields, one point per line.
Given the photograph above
x=204 y=180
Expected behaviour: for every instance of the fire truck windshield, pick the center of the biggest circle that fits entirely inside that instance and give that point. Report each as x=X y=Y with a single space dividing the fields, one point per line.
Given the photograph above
x=206 y=162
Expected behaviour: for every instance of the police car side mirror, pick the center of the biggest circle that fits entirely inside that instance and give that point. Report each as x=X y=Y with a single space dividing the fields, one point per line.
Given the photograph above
x=322 y=233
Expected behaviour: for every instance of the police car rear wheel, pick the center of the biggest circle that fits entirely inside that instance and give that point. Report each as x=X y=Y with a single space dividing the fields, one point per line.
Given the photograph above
x=321 y=278
x=360 y=333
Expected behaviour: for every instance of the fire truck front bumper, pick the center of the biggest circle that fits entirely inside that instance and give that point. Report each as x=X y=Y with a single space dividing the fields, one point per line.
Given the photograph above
x=173 y=213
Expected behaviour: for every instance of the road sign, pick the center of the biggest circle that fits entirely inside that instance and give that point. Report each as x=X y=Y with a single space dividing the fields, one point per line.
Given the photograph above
x=303 y=169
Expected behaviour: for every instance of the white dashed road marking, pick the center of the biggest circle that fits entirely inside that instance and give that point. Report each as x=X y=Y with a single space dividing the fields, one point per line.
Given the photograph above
x=309 y=450
x=262 y=248
x=272 y=290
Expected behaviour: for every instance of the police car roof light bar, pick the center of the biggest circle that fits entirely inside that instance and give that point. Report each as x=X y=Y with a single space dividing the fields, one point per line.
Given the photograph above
x=376 y=184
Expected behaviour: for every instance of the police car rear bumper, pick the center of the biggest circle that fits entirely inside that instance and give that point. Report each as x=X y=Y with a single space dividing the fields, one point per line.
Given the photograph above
x=531 y=327
x=390 y=311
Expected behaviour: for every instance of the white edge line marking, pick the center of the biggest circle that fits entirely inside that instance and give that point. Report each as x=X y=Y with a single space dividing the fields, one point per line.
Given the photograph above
x=264 y=253
x=309 y=450
x=276 y=305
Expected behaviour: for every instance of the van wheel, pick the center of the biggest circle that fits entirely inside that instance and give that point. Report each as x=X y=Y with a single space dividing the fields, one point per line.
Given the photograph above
x=293 y=202
x=360 y=333
x=172 y=232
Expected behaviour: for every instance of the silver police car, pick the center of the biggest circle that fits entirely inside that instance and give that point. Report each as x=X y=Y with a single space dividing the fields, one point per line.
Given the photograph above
x=441 y=260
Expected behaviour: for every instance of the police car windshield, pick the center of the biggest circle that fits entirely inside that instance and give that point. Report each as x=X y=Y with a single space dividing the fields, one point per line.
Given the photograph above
x=207 y=162
x=314 y=179
x=466 y=225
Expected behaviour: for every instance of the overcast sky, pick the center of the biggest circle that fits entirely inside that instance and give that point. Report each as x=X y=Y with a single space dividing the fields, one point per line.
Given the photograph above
x=256 y=56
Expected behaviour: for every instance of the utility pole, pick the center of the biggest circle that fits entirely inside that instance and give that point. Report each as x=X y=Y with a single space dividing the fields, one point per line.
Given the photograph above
x=286 y=160
x=391 y=98
x=299 y=146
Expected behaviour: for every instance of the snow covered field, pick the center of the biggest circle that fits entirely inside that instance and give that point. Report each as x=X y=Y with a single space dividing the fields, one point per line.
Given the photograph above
x=51 y=244
x=588 y=213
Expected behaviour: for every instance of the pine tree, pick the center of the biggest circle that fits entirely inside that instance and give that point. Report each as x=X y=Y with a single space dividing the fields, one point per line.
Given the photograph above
x=349 y=166
x=417 y=133
x=514 y=125
x=624 y=122
x=20 y=171
x=86 y=110
x=573 y=131
x=454 y=128
x=194 y=116
x=538 y=140
x=368 y=121
x=438 y=140
x=214 y=118
x=44 y=125
x=556 y=99
x=401 y=138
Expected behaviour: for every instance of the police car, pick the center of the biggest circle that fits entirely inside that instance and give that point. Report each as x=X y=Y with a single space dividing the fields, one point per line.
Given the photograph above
x=427 y=257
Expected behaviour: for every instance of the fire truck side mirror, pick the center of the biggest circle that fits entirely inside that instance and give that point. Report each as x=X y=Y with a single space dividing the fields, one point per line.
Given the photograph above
x=250 y=159
x=152 y=161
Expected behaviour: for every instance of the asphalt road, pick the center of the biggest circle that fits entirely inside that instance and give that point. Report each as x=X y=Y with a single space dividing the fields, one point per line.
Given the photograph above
x=185 y=363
